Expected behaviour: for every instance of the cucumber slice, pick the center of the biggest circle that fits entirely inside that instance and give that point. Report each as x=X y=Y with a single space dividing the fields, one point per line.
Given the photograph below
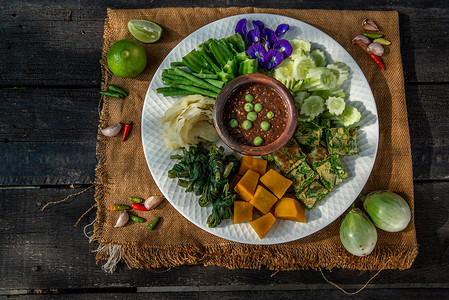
x=319 y=79
x=319 y=57
x=299 y=98
x=349 y=116
x=284 y=73
x=304 y=118
x=312 y=106
x=300 y=46
x=301 y=66
x=325 y=94
x=335 y=105
x=341 y=70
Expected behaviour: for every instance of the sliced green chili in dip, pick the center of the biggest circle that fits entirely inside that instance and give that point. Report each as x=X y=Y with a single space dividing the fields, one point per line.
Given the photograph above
x=259 y=123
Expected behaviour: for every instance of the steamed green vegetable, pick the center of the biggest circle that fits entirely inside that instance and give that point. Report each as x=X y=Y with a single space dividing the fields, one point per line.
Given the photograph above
x=205 y=172
x=388 y=210
x=357 y=234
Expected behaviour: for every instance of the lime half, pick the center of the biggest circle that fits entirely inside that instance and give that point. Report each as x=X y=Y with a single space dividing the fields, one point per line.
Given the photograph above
x=145 y=31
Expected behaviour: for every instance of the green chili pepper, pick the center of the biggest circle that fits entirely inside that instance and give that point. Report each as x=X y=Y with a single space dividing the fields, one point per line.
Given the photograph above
x=152 y=224
x=372 y=35
x=248 y=66
x=116 y=207
x=237 y=41
x=382 y=41
x=111 y=94
x=117 y=89
x=136 y=199
x=136 y=218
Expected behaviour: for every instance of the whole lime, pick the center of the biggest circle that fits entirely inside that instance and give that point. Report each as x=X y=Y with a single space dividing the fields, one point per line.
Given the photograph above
x=126 y=58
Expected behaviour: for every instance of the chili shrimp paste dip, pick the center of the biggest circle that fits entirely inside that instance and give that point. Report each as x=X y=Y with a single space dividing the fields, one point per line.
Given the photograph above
x=255 y=115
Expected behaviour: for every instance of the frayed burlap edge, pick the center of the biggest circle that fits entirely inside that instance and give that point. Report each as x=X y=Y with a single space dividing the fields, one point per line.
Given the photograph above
x=100 y=174
x=256 y=257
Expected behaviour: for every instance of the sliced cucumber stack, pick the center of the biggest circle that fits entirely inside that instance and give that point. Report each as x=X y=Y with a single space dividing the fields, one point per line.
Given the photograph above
x=301 y=66
x=319 y=57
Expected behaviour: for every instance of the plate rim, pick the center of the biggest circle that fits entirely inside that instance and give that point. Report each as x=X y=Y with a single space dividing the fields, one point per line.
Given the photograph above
x=253 y=16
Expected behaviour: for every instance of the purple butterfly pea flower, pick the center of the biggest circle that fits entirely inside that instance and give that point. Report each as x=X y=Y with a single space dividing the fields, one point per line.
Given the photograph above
x=257 y=51
x=284 y=47
x=241 y=28
x=272 y=59
x=258 y=25
x=281 y=30
x=253 y=36
x=269 y=37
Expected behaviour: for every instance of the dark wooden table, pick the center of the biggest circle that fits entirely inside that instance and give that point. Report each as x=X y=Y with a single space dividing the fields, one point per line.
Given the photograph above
x=49 y=83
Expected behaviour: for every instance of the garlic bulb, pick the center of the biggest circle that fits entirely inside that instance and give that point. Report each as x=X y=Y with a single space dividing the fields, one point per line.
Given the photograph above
x=112 y=130
x=376 y=49
x=369 y=25
x=361 y=40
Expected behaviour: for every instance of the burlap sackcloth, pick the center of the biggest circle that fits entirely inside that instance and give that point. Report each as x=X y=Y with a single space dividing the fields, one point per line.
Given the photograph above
x=122 y=170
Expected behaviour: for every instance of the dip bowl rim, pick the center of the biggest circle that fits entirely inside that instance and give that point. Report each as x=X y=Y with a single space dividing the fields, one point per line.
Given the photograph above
x=287 y=99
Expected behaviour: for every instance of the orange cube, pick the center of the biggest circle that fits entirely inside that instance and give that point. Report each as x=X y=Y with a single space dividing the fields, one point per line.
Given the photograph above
x=263 y=200
x=289 y=209
x=263 y=224
x=247 y=185
x=276 y=183
x=256 y=164
x=243 y=212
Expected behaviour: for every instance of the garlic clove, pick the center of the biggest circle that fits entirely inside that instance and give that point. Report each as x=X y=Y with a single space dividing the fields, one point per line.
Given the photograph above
x=153 y=201
x=376 y=49
x=369 y=25
x=361 y=40
x=112 y=130
x=122 y=219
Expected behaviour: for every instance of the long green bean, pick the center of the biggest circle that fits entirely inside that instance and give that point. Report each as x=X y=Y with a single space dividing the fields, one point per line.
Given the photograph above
x=201 y=83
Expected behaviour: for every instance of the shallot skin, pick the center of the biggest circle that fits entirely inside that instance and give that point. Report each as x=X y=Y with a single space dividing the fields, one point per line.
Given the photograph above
x=122 y=219
x=112 y=130
x=369 y=25
x=376 y=49
x=361 y=40
x=153 y=201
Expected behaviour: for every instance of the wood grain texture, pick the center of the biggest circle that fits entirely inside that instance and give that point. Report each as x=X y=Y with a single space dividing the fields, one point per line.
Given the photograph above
x=64 y=41
x=35 y=245
x=293 y=293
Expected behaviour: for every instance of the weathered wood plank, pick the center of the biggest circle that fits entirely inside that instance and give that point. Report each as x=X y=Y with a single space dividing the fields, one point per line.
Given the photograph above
x=34 y=163
x=42 y=250
x=48 y=136
x=49 y=115
x=427 y=109
x=64 y=42
x=372 y=292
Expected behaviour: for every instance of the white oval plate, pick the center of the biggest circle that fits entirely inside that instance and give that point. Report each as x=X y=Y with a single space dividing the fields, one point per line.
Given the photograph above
x=358 y=167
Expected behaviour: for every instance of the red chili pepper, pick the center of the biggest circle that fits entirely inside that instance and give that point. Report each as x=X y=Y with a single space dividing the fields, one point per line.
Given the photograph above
x=377 y=60
x=138 y=206
x=119 y=207
x=126 y=130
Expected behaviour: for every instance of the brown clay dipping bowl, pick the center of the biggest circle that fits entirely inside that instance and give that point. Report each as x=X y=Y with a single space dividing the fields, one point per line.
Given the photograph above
x=285 y=104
